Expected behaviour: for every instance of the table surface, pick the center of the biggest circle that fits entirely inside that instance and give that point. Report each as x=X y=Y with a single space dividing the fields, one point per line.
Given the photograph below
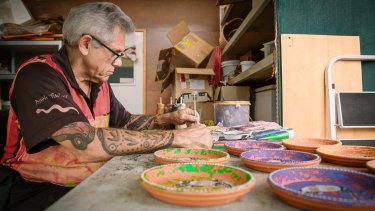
x=115 y=186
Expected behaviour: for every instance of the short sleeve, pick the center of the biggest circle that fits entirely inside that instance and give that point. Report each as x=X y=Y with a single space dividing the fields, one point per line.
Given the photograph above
x=42 y=102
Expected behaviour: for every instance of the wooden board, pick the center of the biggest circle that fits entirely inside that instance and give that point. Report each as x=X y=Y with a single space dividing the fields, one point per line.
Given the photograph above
x=304 y=58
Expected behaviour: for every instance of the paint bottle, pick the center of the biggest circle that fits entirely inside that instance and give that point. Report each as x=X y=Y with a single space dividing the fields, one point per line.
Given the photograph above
x=160 y=107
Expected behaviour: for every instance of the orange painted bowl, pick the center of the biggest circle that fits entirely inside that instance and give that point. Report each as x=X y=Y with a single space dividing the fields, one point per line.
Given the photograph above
x=197 y=184
x=238 y=147
x=324 y=188
x=371 y=166
x=308 y=144
x=189 y=155
x=271 y=160
x=347 y=155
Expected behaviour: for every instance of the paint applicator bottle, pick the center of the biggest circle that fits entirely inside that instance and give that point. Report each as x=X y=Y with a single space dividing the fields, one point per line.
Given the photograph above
x=160 y=107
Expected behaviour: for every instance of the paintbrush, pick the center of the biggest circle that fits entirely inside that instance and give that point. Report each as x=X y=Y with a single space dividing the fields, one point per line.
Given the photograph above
x=195 y=93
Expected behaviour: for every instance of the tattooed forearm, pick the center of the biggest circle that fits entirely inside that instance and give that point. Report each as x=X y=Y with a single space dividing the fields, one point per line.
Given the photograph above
x=140 y=122
x=122 y=142
x=80 y=134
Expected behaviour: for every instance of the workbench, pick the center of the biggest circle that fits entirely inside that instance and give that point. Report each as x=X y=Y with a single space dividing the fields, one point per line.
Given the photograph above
x=115 y=186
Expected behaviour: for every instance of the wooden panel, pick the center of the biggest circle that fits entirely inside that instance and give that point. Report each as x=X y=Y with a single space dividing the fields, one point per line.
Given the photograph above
x=323 y=17
x=304 y=58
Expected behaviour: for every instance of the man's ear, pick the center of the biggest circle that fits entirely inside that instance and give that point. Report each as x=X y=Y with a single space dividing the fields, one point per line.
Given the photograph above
x=84 y=44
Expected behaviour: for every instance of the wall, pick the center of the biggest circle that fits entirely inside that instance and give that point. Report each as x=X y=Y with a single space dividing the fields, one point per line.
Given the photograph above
x=157 y=17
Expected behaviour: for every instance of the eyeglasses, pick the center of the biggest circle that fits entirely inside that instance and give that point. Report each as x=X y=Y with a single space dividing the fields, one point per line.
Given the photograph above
x=118 y=55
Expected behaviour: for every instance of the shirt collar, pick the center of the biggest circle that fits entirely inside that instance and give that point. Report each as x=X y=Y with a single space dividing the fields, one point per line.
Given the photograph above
x=62 y=60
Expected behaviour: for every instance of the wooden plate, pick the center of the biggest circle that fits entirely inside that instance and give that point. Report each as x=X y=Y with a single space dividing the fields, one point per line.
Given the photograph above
x=271 y=160
x=308 y=144
x=197 y=184
x=347 y=155
x=189 y=155
x=237 y=147
x=371 y=166
x=324 y=188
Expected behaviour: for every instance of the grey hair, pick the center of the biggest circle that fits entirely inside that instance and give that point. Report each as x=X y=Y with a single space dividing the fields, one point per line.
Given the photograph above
x=98 y=19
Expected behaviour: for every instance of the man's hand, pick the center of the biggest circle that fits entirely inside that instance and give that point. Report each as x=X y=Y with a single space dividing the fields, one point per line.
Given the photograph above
x=196 y=136
x=180 y=117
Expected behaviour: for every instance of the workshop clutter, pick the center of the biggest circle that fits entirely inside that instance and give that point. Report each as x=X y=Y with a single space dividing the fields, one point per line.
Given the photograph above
x=187 y=80
x=232 y=113
x=46 y=27
x=184 y=67
x=229 y=67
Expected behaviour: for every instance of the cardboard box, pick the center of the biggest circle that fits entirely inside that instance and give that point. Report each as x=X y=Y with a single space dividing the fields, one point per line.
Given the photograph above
x=189 y=51
x=232 y=93
x=205 y=110
x=265 y=103
x=187 y=80
x=188 y=45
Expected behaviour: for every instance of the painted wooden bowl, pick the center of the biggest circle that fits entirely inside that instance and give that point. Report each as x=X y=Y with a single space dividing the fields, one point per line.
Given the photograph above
x=271 y=141
x=308 y=144
x=189 y=155
x=197 y=184
x=237 y=147
x=271 y=160
x=324 y=188
x=347 y=155
x=371 y=166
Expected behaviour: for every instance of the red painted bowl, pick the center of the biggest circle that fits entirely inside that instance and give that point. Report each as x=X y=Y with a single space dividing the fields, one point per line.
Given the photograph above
x=371 y=166
x=347 y=155
x=308 y=144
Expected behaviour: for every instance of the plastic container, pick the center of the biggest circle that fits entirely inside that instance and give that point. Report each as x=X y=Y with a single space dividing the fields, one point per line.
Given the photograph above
x=245 y=65
x=232 y=113
x=268 y=48
x=229 y=66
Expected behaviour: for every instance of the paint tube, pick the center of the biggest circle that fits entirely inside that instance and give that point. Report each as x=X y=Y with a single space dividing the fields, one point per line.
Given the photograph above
x=286 y=134
x=265 y=133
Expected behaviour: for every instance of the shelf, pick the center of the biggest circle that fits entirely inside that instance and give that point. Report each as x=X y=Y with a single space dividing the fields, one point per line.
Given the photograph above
x=27 y=46
x=9 y=76
x=236 y=10
x=14 y=48
x=260 y=72
x=257 y=28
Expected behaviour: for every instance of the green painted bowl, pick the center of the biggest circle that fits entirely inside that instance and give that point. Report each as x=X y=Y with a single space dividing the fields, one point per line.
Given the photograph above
x=197 y=184
x=190 y=155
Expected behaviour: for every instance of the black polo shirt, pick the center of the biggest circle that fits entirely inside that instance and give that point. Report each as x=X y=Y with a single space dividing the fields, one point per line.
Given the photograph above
x=38 y=87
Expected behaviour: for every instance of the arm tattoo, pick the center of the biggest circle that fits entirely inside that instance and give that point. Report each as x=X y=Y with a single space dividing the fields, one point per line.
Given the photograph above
x=80 y=134
x=140 y=122
x=123 y=142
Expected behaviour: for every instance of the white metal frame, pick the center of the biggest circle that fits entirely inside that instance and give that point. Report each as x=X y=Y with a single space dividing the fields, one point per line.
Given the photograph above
x=330 y=89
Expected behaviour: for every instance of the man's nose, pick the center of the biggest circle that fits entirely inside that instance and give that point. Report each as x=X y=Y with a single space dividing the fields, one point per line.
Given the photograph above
x=117 y=62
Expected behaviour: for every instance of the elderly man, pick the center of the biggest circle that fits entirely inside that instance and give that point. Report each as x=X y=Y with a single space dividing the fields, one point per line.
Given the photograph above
x=65 y=121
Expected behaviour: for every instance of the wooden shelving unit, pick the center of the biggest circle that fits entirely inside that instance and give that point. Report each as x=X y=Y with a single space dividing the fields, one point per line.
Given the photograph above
x=259 y=74
x=257 y=28
x=11 y=48
x=237 y=10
